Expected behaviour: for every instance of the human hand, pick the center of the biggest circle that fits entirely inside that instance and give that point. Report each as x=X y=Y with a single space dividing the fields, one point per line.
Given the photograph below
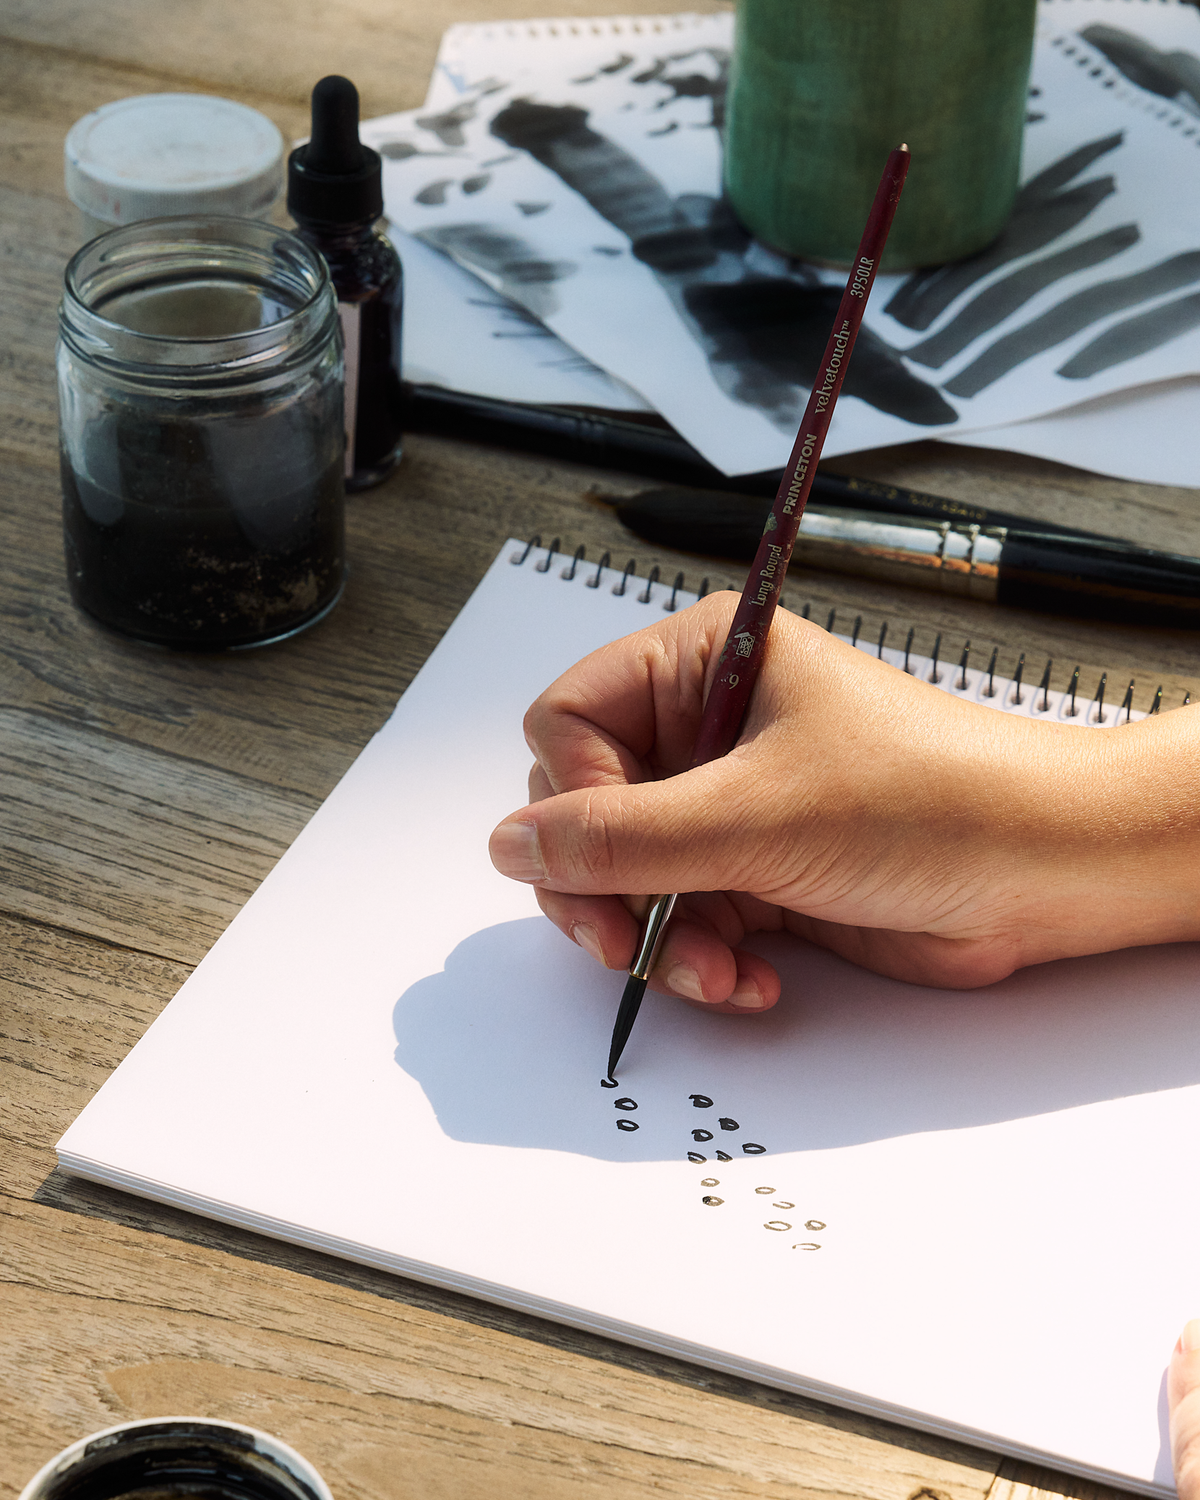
x=1183 y=1397
x=912 y=832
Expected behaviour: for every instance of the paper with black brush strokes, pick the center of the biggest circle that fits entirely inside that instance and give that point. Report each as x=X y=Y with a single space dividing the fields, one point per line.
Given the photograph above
x=574 y=167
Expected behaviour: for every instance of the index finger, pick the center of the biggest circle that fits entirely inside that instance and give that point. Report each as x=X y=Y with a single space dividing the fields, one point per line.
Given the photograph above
x=630 y=711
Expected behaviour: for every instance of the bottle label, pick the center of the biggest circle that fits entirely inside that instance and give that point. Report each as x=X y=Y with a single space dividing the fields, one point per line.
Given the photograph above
x=349 y=314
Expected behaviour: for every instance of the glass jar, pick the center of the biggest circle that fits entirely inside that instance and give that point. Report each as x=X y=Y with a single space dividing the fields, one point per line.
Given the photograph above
x=200 y=386
x=182 y=1457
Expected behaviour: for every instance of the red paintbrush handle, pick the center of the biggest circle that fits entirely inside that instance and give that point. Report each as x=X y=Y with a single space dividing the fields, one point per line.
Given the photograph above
x=745 y=646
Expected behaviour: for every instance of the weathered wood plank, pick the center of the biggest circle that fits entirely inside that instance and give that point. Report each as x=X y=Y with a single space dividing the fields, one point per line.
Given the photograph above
x=279 y=48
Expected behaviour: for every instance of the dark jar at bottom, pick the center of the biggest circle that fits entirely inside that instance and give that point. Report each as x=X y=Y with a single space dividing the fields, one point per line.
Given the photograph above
x=200 y=390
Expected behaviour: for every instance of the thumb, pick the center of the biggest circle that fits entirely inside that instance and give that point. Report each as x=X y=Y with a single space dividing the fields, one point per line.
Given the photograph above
x=692 y=832
x=1183 y=1394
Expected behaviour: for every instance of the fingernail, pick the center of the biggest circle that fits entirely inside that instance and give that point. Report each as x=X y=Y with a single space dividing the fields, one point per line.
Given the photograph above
x=586 y=937
x=1189 y=1339
x=747 y=996
x=515 y=852
x=684 y=980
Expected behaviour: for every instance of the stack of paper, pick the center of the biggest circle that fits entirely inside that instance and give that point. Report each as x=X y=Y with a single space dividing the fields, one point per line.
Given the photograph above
x=558 y=206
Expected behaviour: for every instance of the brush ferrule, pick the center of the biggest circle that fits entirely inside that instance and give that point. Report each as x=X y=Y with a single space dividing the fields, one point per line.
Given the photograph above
x=652 y=935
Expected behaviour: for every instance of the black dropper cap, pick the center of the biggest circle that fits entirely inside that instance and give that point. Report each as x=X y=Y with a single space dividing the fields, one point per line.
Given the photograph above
x=334 y=178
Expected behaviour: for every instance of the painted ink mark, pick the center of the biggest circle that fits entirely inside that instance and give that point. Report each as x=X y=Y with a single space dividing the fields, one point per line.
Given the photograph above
x=607 y=250
x=529 y=209
x=702 y=1135
x=627 y=1124
x=1134 y=336
x=770 y=334
x=612 y=180
x=724 y=1156
x=777 y=1224
x=765 y=1192
x=695 y=1156
x=399 y=150
x=763 y=336
x=1167 y=73
x=434 y=194
x=710 y=1182
x=669 y=129
x=448 y=124
x=1002 y=298
x=477 y=183
x=700 y=1101
x=814 y=1226
x=752 y=1148
x=808 y=1245
x=608 y=1083
x=784 y=1204
x=625 y=1103
x=712 y=1202
x=728 y=1124
x=1072 y=316
x=621 y=62
x=1040 y=215
x=523 y=274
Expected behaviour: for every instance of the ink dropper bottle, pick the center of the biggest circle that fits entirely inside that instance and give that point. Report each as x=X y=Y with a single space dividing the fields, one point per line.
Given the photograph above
x=335 y=195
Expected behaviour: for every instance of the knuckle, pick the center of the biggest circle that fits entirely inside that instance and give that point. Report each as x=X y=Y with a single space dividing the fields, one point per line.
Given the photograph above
x=591 y=853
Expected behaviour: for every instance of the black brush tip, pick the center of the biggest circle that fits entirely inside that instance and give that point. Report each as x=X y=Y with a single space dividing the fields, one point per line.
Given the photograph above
x=627 y=1011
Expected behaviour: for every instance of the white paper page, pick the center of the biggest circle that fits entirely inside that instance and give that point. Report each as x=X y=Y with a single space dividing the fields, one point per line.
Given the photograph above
x=1150 y=434
x=461 y=334
x=965 y=1212
x=1104 y=158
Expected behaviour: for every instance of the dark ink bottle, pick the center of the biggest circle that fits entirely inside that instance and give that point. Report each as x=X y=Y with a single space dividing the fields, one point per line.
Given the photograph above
x=335 y=195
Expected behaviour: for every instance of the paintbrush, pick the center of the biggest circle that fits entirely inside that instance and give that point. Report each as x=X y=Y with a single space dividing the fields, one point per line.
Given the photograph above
x=742 y=655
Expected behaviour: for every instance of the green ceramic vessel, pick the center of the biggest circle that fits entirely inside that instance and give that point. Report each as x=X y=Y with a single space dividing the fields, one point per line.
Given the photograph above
x=821 y=90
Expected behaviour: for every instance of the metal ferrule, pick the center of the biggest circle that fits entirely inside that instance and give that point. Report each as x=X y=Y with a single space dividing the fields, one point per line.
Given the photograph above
x=938 y=555
x=652 y=935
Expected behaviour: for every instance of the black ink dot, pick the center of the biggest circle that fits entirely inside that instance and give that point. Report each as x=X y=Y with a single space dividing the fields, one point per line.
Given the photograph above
x=608 y=1083
x=695 y=1156
x=624 y=1103
x=701 y=1101
x=752 y=1148
x=776 y=1224
x=728 y=1124
x=710 y=1182
x=702 y=1135
x=813 y=1224
x=724 y=1156
x=627 y=1124
x=712 y=1202
x=766 y=1192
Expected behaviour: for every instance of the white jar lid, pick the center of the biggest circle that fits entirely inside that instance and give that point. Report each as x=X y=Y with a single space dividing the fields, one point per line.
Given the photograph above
x=159 y=154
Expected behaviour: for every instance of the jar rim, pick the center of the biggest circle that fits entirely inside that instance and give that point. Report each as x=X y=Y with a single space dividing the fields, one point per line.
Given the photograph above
x=127 y=255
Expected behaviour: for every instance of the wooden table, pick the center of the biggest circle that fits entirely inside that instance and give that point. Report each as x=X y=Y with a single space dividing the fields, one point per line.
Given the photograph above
x=146 y=795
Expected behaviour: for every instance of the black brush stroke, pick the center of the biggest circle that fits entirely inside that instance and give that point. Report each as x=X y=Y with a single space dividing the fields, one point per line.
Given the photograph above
x=1134 y=336
x=1167 y=73
x=614 y=182
x=1000 y=300
x=1071 y=317
x=784 y=326
x=765 y=335
x=1040 y=215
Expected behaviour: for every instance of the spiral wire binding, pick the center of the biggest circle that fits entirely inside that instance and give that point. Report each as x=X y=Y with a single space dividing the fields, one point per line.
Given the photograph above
x=1095 y=713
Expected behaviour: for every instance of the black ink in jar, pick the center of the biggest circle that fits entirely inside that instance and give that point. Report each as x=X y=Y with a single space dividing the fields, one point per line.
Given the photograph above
x=335 y=195
x=200 y=417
